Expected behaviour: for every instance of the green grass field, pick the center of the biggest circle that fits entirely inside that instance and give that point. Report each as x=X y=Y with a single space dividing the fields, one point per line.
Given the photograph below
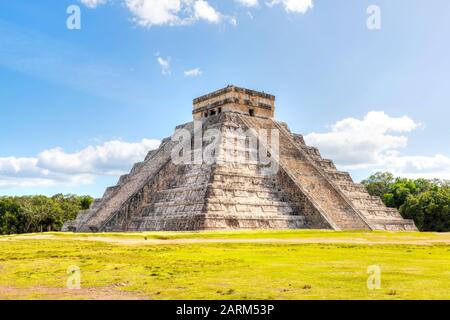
x=299 y=264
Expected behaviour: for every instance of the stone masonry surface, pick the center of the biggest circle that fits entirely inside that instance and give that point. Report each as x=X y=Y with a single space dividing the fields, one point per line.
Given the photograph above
x=306 y=191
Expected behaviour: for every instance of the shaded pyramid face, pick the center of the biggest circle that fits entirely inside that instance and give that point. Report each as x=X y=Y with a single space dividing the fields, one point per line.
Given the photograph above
x=235 y=167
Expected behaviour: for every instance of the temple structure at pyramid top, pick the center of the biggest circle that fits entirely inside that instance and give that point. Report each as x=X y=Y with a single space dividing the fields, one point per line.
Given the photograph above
x=235 y=167
x=237 y=100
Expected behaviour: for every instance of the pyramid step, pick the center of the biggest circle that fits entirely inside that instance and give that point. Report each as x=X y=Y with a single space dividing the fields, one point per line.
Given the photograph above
x=150 y=154
x=110 y=191
x=299 y=139
x=365 y=200
x=380 y=212
x=393 y=224
x=173 y=197
x=217 y=204
x=243 y=201
x=123 y=179
x=312 y=151
x=138 y=177
x=137 y=166
x=187 y=188
x=96 y=203
x=170 y=208
x=339 y=177
x=326 y=197
x=327 y=165
x=354 y=193
x=247 y=171
x=262 y=193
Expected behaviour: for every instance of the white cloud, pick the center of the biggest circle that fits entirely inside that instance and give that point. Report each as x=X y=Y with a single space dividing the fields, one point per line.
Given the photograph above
x=362 y=143
x=93 y=3
x=148 y=13
x=56 y=167
x=155 y=12
x=375 y=143
x=232 y=21
x=204 y=11
x=193 y=72
x=297 y=6
x=165 y=65
x=248 y=3
x=437 y=166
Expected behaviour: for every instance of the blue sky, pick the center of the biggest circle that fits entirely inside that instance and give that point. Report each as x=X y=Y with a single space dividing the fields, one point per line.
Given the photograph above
x=78 y=107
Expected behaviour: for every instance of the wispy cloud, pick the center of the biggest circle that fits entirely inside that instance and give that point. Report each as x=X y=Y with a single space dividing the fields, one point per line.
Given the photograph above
x=165 y=65
x=93 y=3
x=149 y=13
x=248 y=3
x=193 y=72
x=297 y=6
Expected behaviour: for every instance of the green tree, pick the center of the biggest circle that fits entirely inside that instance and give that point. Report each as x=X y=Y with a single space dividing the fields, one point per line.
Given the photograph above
x=86 y=202
x=39 y=213
x=379 y=183
x=430 y=210
x=424 y=201
x=12 y=217
x=402 y=188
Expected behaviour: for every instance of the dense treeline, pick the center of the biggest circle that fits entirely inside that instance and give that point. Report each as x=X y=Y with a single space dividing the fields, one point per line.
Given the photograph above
x=39 y=213
x=427 y=202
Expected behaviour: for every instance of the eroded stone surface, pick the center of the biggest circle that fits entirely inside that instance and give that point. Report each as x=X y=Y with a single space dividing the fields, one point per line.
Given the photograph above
x=306 y=191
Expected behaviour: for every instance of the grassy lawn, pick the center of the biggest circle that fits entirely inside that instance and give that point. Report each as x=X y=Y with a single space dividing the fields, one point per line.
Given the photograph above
x=298 y=264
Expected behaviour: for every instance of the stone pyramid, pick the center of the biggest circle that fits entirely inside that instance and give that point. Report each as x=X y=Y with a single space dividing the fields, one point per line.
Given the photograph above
x=302 y=190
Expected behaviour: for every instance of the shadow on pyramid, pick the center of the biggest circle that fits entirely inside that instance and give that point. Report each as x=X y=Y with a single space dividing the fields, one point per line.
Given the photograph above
x=235 y=167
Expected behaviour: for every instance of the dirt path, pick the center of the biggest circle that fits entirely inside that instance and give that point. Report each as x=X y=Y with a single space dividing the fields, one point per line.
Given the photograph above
x=142 y=241
x=44 y=293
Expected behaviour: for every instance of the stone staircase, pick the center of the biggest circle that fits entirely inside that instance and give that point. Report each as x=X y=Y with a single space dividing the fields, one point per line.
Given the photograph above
x=297 y=188
x=372 y=208
x=102 y=210
x=306 y=192
x=224 y=195
x=328 y=199
x=178 y=206
x=243 y=198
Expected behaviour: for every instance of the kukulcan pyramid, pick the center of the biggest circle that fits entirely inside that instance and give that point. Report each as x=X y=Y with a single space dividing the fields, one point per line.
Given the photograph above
x=235 y=167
